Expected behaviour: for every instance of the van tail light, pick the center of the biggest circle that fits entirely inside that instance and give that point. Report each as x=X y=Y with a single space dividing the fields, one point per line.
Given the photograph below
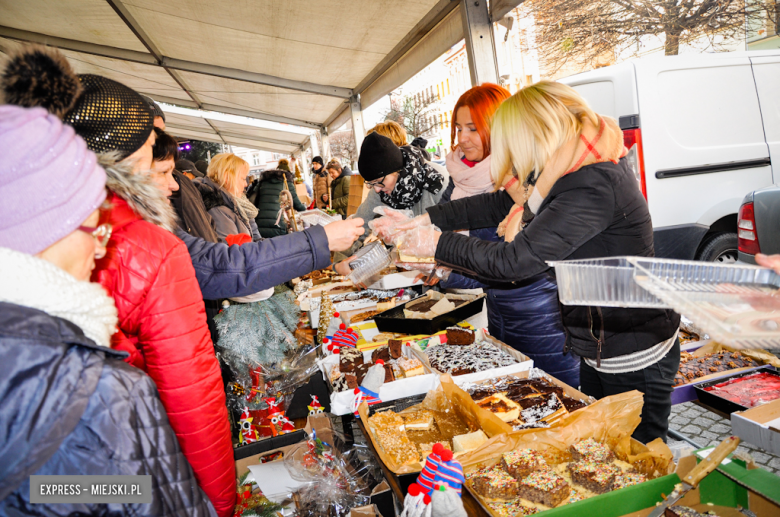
x=632 y=139
x=746 y=230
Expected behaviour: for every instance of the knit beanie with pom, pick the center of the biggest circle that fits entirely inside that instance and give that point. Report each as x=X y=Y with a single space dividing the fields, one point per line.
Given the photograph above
x=49 y=181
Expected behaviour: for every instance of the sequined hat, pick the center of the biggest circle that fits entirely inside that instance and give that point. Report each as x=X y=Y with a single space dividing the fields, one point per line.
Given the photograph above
x=109 y=116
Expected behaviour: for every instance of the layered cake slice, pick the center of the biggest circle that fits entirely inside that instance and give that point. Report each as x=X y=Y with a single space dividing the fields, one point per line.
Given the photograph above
x=501 y=406
x=544 y=487
x=418 y=421
x=591 y=450
x=389 y=435
x=522 y=462
x=596 y=477
x=410 y=366
x=494 y=483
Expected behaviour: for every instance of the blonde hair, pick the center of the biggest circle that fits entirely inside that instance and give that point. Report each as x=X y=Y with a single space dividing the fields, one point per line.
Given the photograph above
x=392 y=130
x=531 y=125
x=224 y=170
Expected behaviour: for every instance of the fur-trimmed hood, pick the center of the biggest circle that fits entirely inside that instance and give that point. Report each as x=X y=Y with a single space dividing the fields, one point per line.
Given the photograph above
x=278 y=174
x=140 y=192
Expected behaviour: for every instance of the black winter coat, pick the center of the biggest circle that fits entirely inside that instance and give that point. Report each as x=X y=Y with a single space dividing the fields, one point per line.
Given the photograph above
x=267 y=202
x=597 y=211
x=68 y=406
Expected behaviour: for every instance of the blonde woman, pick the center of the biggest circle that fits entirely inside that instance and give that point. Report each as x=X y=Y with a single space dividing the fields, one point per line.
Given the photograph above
x=587 y=204
x=223 y=194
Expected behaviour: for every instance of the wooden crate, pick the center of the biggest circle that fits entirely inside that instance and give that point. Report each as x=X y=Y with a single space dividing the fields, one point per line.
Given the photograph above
x=357 y=193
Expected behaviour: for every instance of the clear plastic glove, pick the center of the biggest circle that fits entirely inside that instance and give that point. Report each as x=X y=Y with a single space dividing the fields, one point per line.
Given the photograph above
x=418 y=242
x=432 y=278
x=385 y=225
x=420 y=220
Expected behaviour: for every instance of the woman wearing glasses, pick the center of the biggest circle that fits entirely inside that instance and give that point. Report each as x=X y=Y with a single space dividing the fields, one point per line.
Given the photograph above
x=399 y=178
x=69 y=404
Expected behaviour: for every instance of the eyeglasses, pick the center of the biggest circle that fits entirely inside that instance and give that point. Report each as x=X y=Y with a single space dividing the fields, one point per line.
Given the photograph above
x=377 y=183
x=101 y=234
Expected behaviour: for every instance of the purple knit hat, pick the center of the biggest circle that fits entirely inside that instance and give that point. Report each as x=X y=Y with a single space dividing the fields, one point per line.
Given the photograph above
x=49 y=181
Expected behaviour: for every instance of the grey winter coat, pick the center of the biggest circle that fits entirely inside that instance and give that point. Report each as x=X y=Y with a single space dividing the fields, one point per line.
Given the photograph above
x=69 y=406
x=222 y=209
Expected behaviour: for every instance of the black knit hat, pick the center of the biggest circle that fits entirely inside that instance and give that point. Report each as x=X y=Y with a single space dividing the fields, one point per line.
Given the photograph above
x=318 y=159
x=109 y=116
x=379 y=156
x=156 y=109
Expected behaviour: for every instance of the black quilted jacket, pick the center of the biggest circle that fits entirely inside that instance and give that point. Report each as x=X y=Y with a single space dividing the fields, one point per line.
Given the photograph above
x=597 y=211
x=68 y=406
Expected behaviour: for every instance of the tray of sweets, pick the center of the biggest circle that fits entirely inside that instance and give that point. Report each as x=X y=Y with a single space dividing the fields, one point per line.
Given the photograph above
x=393 y=320
x=740 y=391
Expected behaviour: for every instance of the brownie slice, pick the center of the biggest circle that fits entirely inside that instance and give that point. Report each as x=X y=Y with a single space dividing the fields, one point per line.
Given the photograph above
x=494 y=483
x=396 y=348
x=459 y=336
x=596 y=477
x=349 y=359
x=544 y=487
x=351 y=381
x=571 y=404
x=521 y=462
x=340 y=383
x=383 y=353
x=389 y=375
x=591 y=450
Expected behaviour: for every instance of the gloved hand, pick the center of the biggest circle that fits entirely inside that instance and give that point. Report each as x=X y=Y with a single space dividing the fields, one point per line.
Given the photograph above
x=420 y=220
x=385 y=226
x=433 y=277
x=418 y=242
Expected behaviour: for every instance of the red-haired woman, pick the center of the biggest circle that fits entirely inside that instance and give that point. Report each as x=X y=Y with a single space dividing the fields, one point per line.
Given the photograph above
x=524 y=315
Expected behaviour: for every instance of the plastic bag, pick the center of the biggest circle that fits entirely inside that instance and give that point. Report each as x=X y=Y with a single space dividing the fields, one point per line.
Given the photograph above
x=384 y=226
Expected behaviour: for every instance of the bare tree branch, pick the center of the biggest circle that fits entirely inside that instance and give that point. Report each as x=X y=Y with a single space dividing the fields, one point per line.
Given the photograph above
x=416 y=114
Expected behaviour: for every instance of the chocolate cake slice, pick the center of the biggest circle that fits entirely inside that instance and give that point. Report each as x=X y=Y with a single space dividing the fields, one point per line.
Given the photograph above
x=349 y=358
x=383 y=353
x=460 y=336
x=396 y=348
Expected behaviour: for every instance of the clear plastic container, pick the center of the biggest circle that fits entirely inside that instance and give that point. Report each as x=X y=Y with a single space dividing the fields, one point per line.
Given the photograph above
x=369 y=261
x=735 y=304
x=317 y=217
x=605 y=282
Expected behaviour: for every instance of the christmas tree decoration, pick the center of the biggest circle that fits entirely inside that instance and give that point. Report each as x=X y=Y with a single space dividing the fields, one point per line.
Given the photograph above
x=315 y=408
x=248 y=433
x=260 y=333
x=326 y=314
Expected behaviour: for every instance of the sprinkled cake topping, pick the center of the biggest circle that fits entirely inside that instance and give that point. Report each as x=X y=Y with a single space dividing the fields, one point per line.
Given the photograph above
x=544 y=479
x=597 y=472
x=525 y=456
x=591 y=450
x=628 y=479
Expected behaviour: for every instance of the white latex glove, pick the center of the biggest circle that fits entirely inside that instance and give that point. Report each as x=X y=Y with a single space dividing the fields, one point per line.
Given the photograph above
x=420 y=220
x=418 y=242
x=384 y=226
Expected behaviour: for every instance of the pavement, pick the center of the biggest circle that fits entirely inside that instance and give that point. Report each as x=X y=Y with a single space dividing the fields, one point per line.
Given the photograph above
x=707 y=428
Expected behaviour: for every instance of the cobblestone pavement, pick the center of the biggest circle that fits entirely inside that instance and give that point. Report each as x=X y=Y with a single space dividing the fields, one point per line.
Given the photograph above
x=707 y=428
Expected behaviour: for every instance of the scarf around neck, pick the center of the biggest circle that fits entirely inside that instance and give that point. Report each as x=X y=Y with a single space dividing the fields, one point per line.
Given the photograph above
x=32 y=282
x=469 y=180
x=415 y=177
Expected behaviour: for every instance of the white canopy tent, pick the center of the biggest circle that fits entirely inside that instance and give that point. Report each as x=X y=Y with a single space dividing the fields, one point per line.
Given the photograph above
x=298 y=62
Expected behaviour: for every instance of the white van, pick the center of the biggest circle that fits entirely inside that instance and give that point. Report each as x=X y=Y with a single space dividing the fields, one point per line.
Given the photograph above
x=703 y=130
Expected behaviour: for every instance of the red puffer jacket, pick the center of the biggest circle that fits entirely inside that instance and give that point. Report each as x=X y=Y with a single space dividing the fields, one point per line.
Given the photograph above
x=162 y=323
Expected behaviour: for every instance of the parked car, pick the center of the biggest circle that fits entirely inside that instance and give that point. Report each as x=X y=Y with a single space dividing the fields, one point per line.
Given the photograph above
x=703 y=130
x=758 y=224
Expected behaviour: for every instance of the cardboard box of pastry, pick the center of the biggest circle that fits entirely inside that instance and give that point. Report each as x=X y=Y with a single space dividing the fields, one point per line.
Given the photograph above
x=402 y=440
x=341 y=401
x=504 y=408
x=686 y=392
x=523 y=363
x=597 y=435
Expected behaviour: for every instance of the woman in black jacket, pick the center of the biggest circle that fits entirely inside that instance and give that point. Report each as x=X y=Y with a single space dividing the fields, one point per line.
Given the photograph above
x=587 y=205
x=269 y=221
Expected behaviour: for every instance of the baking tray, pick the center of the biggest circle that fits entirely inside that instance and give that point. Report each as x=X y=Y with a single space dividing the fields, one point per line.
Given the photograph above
x=719 y=403
x=393 y=320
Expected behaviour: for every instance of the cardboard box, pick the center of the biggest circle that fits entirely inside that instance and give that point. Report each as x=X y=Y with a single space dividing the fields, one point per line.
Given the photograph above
x=759 y=426
x=524 y=363
x=365 y=511
x=357 y=193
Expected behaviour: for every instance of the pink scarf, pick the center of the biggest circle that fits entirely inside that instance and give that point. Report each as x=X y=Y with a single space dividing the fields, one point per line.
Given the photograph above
x=469 y=181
